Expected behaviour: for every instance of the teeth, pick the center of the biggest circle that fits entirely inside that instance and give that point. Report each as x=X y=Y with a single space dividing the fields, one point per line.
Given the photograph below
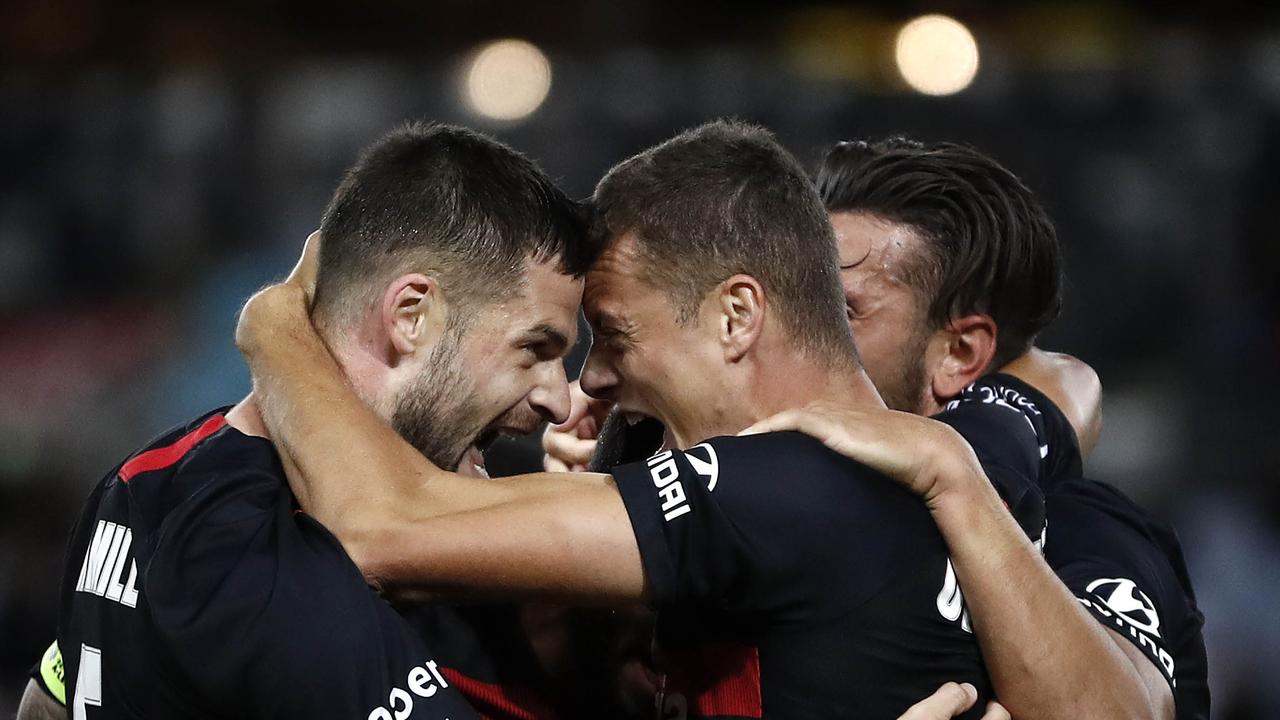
x=472 y=463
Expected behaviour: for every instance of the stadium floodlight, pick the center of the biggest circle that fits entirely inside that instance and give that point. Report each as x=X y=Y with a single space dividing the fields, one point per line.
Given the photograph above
x=506 y=80
x=937 y=55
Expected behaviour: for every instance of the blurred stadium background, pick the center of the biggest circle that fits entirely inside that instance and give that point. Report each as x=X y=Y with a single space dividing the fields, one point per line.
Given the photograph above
x=163 y=159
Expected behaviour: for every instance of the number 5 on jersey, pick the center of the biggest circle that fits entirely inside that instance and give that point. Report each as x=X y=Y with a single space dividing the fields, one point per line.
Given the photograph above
x=88 y=682
x=951 y=600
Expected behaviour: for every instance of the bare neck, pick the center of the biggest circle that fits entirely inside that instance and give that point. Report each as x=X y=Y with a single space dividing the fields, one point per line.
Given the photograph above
x=356 y=354
x=798 y=380
x=361 y=368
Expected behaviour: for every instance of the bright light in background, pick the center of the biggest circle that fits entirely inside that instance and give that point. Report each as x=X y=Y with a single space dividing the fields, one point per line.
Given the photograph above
x=937 y=55
x=507 y=80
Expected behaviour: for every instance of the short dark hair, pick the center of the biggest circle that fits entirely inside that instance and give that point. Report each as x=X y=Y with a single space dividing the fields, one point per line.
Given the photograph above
x=450 y=202
x=721 y=199
x=990 y=246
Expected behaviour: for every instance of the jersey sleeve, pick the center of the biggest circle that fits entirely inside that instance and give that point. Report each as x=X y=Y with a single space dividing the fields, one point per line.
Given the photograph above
x=1119 y=575
x=737 y=523
x=260 y=608
x=1057 y=443
x=48 y=674
x=1005 y=437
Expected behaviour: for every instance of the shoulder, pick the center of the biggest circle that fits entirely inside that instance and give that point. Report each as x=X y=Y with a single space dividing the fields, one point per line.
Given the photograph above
x=1094 y=514
x=1122 y=562
x=750 y=460
x=234 y=530
x=1055 y=438
x=771 y=475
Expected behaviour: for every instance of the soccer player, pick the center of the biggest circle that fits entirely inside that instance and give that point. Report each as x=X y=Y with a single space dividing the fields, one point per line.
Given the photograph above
x=946 y=260
x=950 y=268
x=789 y=585
x=194 y=587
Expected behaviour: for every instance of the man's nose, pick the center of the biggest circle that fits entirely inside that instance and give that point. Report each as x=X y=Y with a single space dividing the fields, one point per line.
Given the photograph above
x=550 y=398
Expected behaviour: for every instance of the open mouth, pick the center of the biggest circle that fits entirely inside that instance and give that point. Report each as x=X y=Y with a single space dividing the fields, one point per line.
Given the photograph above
x=633 y=418
x=472 y=463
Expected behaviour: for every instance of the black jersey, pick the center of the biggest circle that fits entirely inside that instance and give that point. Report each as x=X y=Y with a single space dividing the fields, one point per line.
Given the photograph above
x=1123 y=565
x=485 y=653
x=1127 y=569
x=195 y=588
x=792 y=582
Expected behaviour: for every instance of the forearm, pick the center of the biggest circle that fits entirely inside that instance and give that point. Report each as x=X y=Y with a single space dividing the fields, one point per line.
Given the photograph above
x=576 y=547
x=1048 y=659
x=406 y=522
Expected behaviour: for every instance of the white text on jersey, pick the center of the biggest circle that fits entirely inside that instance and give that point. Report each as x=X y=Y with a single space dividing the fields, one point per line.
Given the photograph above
x=663 y=470
x=102 y=572
x=424 y=681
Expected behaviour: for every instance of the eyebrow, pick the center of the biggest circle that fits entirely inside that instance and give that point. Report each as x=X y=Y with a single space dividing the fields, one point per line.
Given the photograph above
x=545 y=333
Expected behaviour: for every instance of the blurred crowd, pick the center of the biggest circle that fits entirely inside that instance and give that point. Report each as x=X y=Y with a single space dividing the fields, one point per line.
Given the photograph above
x=141 y=201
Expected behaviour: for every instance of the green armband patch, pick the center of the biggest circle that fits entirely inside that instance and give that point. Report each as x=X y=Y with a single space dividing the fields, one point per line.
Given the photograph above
x=51 y=672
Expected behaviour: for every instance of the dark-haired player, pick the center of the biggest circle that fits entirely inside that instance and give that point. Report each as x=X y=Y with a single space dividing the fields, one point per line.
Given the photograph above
x=951 y=268
x=448 y=288
x=790 y=583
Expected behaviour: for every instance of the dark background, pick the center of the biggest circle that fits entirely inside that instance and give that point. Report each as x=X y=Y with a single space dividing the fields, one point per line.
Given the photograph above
x=161 y=161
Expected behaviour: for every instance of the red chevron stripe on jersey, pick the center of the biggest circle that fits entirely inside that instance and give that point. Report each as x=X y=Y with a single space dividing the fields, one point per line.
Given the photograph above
x=501 y=702
x=161 y=458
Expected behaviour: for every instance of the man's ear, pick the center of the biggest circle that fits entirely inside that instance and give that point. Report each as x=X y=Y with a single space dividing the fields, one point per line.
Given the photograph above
x=413 y=312
x=740 y=304
x=970 y=346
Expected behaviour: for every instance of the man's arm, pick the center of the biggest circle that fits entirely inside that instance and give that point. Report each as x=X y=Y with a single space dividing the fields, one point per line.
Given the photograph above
x=560 y=534
x=1073 y=387
x=1041 y=647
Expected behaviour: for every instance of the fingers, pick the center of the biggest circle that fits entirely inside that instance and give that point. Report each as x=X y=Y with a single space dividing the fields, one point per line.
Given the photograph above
x=564 y=447
x=568 y=446
x=996 y=711
x=304 y=273
x=785 y=420
x=949 y=700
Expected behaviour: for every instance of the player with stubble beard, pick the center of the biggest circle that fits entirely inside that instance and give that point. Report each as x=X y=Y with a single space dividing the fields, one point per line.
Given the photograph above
x=402 y=202
x=194 y=587
x=788 y=585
